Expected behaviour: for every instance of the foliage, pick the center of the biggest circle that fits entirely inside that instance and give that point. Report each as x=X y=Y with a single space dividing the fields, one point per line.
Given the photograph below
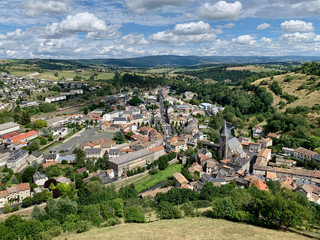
x=47 y=107
x=166 y=210
x=134 y=214
x=134 y=101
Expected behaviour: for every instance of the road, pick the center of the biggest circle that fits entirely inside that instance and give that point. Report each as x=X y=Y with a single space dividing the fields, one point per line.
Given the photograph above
x=76 y=142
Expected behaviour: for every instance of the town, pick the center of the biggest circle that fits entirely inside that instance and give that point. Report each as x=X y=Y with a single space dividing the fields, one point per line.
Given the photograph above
x=130 y=134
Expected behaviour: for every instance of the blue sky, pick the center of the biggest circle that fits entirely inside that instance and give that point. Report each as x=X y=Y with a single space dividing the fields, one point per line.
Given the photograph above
x=67 y=29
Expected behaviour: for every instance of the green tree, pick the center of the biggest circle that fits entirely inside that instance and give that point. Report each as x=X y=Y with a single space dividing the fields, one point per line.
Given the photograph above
x=134 y=214
x=38 y=213
x=80 y=157
x=134 y=101
x=166 y=210
x=27 y=174
x=47 y=107
x=117 y=205
x=25 y=117
x=40 y=124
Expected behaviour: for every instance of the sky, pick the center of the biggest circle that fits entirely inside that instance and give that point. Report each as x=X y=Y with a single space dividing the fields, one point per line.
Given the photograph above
x=69 y=29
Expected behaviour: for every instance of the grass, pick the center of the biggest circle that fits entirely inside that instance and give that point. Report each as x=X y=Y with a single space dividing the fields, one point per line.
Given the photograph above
x=186 y=228
x=252 y=68
x=291 y=88
x=151 y=180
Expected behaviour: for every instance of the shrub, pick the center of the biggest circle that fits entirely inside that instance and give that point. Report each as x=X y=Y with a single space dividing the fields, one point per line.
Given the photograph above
x=83 y=226
x=27 y=202
x=134 y=214
x=166 y=210
x=112 y=222
x=6 y=209
x=188 y=210
x=202 y=204
x=14 y=209
x=64 y=162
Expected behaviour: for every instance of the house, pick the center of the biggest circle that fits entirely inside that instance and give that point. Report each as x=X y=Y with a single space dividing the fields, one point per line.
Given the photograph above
x=24 y=137
x=93 y=152
x=288 y=151
x=9 y=127
x=59 y=131
x=266 y=142
x=70 y=158
x=36 y=156
x=273 y=135
x=5 y=137
x=114 y=153
x=119 y=120
x=303 y=153
x=18 y=160
x=102 y=143
x=257 y=132
x=39 y=178
x=259 y=184
x=31 y=103
x=158 y=151
x=195 y=167
x=205 y=178
x=238 y=163
x=63 y=180
x=48 y=164
x=14 y=194
x=179 y=180
x=56 y=122
x=51 y=157
x=130 y=161
x=211 y=166
x=176 y=144
x=265 y=153
x=110 y=173
x=55 y=98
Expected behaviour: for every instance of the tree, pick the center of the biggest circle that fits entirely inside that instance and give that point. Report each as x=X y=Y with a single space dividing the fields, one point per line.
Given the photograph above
x=85 y=111
x=27 y=202
x=118 y=136
x=224 y=208
x=33 y=146
x=25 y=117
x=134 y=101
x=27 y=174
x=166 y=210
x=6 y=208
x=134 y=214
x=40 y=124
x=38 y=213
x=80 y=157
x=117 y=205
x=47 y=107
x=46 y=132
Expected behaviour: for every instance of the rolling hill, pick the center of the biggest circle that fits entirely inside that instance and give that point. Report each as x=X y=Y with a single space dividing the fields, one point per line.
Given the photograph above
x=186 y=228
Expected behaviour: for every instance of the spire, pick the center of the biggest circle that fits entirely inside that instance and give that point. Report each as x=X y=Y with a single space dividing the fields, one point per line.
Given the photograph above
x=224 y=130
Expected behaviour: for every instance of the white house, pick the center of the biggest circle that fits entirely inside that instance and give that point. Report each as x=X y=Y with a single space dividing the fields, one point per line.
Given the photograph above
x=55 y=99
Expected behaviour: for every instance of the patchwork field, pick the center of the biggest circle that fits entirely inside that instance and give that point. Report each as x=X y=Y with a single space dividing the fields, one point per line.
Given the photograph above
x=186 y=228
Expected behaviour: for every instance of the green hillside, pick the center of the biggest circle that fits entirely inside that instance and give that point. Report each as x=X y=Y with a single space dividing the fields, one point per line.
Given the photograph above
x=186 y=228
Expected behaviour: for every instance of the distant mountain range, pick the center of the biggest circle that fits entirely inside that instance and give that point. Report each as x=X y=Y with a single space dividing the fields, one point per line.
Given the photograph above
x=187 y=61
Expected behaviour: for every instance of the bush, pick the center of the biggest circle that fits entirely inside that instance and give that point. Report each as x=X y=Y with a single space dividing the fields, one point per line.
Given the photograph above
x=64 y=162
x=6 y=209
x=134 y=214
x=166 y=210
x=153 y=171
x=188 y=210
x=83 y=226
x=14 y=209
x=27 y=202
x=202 y=204
x=112 y=222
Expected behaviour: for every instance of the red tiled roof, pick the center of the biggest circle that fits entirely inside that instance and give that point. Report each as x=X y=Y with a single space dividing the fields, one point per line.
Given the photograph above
x=48 y=164
x=3 y=194
x=23 y=187
x=265 y=152
x=23 y=136
x=261 y=185
x=157 y=149
x=9 y=135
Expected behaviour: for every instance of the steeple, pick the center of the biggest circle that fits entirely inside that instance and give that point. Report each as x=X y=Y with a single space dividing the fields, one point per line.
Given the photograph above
x=224 y=142
x=224 y=130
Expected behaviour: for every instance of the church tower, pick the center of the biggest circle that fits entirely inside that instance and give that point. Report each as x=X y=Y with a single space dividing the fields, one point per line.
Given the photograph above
x=224 y=142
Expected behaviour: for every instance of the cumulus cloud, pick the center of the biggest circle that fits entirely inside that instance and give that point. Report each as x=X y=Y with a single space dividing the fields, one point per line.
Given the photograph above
x=228 y=25
x=221 y=10
x=263 y=26
x=18 y=33
x=244 y=40
x=132 y=39
x=82 y=22
x=192 y=28
x=297 y=26
x=188 y=32
x=300 y=37
x=140 y=6
x=266 y=40
x=38 y=7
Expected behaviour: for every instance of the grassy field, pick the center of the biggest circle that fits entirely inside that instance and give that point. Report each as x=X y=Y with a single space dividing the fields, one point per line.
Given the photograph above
x=186 y=228
x=151 y=180
x=305 y=97
x=253 y=68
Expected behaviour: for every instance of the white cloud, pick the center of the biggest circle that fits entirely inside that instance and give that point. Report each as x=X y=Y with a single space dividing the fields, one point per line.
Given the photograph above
x=221 y=10
x=297 y=26
x=132 y=39
x=300 y=37
x=228 y=25
x=18 y=33
x=263 y=26
x=140 y=6
x=189 y=32
x=82 y=22
x=38 y=7
x=266 y=40
x=192 y=28
x=244 y=40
